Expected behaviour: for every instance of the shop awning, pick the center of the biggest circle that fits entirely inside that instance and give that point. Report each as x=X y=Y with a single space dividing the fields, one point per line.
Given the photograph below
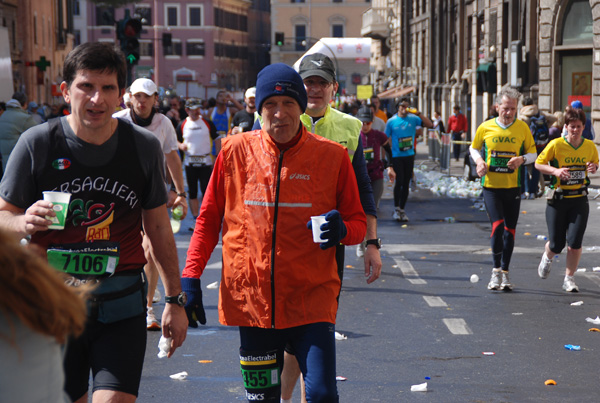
x=396 y=92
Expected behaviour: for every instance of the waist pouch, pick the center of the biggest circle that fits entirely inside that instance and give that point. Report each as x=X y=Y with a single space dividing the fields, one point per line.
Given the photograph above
x=119 y=297
x=554 y=194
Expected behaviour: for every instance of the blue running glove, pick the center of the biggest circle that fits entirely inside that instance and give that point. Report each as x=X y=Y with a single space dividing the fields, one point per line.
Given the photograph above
x=192 y=288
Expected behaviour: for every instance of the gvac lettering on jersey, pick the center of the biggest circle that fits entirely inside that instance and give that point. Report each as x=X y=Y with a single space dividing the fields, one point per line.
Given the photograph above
x=504 y=140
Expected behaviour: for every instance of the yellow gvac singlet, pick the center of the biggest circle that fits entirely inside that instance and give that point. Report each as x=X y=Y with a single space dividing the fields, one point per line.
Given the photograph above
x=560 y=154
x=499 y=146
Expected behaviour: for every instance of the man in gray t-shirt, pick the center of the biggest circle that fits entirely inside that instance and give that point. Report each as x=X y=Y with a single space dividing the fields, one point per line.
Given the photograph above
x=114 y=191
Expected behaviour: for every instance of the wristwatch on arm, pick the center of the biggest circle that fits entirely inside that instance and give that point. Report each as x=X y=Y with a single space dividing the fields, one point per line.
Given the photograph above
x=182 y=194
x=376 y=242
x=180 y=299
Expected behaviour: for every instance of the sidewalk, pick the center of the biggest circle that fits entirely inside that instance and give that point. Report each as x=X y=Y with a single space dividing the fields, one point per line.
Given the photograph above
x=457 y=167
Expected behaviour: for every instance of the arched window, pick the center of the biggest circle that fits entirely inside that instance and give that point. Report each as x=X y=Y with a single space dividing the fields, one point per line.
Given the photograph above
x=578 y=24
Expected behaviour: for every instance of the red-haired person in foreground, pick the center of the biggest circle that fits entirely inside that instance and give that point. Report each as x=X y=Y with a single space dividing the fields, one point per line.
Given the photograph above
x=38 y=313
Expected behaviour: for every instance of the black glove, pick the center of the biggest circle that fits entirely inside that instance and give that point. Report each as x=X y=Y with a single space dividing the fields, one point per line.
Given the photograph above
x=334 y=229
x=192 y=288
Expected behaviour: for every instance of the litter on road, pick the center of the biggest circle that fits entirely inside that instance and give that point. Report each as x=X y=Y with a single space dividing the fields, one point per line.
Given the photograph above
x=593 y=321
x=180 y=376
x=422 y=387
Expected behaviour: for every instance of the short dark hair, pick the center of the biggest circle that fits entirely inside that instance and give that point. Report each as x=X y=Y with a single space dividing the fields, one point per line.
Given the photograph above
x=21 y=97
x=573 y=114
x=527 y=101
x=96 y=56
x=2 y=106
x=402 y=100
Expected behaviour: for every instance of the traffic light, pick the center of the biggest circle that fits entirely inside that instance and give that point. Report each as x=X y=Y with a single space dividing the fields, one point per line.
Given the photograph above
x=128 y=33
x=279 y=38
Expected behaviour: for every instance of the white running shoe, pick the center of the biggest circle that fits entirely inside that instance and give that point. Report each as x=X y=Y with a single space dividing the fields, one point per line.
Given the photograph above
x=151 y=322
x=569 y=285
x=396 y=215
x=157 y=296
x=360 y=249
x=496 y=279
x=505 y=285
x=544 y=267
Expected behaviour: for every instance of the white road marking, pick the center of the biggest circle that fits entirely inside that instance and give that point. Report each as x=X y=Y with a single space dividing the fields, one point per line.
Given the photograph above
x=434 y=302
x=483 y=249
x=592 y=276
x=408 y=271
x=457 y=326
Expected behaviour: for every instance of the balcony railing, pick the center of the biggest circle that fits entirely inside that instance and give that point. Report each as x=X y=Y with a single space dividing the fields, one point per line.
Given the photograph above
x=374 y=23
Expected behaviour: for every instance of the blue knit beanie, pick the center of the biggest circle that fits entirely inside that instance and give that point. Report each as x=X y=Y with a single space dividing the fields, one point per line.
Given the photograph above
x=280 y=79
x=577 y=104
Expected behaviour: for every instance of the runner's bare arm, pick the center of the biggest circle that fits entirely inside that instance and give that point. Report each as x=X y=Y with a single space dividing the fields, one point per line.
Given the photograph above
x=25 y=222
x=158 y=229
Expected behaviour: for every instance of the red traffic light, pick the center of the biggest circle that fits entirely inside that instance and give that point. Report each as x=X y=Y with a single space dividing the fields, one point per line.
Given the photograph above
x=132 y=28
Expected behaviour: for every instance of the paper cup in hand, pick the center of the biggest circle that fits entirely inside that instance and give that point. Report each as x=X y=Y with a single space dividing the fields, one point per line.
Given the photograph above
x=316 y=228
x=60 y=206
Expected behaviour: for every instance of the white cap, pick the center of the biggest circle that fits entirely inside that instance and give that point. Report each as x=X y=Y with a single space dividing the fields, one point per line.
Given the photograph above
x=126 y=98
x=250 y=92
x=144 y=85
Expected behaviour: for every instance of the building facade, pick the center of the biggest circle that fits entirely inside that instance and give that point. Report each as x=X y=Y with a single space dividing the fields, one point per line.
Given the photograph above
x=40 y=37
x=297 y=25
x=194 y=47
x=447 y=52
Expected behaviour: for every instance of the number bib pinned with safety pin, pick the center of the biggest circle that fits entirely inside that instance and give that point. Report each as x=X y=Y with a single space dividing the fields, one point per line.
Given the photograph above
x=577 y=175
x=85 y=259
x=499 y=161
x=200 y=160
x=405 y=143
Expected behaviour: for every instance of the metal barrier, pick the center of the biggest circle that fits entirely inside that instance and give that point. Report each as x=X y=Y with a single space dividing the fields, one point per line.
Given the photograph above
x=433 y=142
x=440 y=148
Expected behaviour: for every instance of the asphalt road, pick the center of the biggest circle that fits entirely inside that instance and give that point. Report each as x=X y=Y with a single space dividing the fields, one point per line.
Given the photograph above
x=424 y=320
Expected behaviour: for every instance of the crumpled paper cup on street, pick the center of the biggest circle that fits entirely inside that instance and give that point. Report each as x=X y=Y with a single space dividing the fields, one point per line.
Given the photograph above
x=422 y=387
x=593 y=321
x=180 y=376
